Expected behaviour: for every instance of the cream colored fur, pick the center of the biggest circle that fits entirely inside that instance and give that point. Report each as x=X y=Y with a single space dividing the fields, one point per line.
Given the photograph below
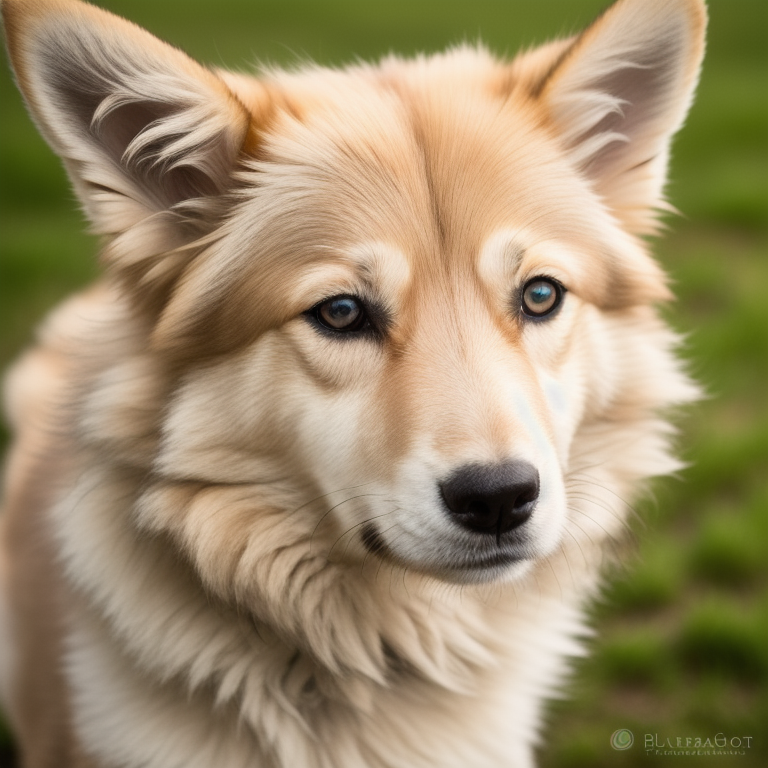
x=197 y=462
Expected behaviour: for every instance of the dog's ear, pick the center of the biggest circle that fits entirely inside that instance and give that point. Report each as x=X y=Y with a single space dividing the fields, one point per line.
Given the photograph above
x=619 y=92
x=150 y=138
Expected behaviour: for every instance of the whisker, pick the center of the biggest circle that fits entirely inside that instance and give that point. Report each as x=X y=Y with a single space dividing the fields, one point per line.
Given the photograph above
x=353 y=527
x=336 y=506
x=588 y=536
x=608 y=535
x=332 y=493
x=578 y=544
x=554 y=573
x=590 y=480
x=598 y=503
x=564 y=553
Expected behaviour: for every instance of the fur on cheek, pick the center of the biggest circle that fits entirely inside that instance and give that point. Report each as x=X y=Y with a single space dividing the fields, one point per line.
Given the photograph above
x=274 y=563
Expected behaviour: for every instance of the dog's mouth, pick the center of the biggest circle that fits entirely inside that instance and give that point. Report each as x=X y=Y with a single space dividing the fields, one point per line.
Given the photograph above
x=503 y=555
x=373 y=541
x=489 y=561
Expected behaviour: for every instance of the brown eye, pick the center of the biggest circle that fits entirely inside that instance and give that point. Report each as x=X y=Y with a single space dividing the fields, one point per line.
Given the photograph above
x=341 y=313
x=541 y=297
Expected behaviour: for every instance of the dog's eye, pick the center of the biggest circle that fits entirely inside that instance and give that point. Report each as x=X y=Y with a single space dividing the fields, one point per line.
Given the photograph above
x=341 y=313
x=541 y=297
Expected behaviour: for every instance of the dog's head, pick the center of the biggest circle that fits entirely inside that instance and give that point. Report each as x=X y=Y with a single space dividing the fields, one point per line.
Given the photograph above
x=401 y=306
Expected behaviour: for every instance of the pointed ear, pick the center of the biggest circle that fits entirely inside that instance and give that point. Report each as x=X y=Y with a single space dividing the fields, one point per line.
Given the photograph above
x=149 y=137
x=618 y=94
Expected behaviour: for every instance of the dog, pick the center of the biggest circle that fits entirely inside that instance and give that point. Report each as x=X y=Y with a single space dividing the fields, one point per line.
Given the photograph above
x=322 y=472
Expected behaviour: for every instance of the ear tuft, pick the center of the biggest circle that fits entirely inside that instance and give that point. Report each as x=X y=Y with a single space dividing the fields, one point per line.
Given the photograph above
x=620 y=92
x=132 y=117
x=151 y=139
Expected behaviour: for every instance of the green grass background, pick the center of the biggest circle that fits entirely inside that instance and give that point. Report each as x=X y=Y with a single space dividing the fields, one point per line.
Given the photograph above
x=682 y=633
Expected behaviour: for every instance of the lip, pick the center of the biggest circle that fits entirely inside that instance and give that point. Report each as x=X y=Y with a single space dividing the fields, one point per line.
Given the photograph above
x=477 y=562
x=490 y=560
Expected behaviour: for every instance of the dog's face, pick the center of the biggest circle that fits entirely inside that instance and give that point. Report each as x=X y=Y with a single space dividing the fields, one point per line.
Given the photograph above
x=391 y=295
x=429 y=275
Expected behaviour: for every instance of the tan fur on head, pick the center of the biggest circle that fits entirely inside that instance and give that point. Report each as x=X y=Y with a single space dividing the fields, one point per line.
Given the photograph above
x=254 y=552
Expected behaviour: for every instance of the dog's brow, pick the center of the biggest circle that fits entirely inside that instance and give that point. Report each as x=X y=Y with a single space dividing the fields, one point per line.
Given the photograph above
x=501 y=256
x=513 y=254
x=381 y=267
x=365 y=272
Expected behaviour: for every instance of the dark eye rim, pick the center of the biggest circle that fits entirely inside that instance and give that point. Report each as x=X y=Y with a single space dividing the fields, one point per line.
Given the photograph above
x=362 y=326
x=560 y=291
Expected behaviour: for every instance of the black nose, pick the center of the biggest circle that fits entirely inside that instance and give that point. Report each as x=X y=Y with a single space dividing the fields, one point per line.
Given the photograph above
x=492 y=498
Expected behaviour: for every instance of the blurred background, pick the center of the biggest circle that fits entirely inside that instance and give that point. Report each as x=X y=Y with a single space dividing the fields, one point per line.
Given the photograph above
x=681 y=649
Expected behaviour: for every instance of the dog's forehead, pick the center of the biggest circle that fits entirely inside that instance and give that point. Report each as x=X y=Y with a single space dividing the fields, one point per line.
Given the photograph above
x=431 y=156
x=428 y=184
x=434 y=171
